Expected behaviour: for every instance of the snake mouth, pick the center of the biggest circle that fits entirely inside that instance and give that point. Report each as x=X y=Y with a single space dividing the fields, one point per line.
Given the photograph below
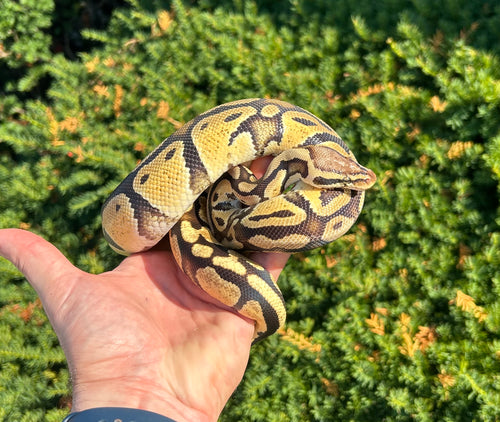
x=364 y=181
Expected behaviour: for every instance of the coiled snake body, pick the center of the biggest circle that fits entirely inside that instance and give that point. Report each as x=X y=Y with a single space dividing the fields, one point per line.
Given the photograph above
x=195 y=186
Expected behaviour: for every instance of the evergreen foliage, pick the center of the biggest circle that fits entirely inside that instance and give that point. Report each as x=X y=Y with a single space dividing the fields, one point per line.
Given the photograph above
x=24 y=43
x=398 y=320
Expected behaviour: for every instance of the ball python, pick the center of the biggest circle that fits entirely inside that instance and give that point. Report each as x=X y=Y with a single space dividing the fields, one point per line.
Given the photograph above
x=196 y=187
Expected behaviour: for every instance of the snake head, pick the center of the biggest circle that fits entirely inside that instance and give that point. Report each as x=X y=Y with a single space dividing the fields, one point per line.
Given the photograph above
x=331 y=169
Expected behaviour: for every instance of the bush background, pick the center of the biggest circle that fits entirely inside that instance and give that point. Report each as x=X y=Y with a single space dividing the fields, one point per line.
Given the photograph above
x=400 y=319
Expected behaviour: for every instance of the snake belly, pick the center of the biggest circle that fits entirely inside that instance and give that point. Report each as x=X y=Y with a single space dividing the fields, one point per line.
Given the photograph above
x=195 y=186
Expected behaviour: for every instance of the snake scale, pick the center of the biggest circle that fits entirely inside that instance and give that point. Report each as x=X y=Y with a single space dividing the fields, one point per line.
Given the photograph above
x=195 y=186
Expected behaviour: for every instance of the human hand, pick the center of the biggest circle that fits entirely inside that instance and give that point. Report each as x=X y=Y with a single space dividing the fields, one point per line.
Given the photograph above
x=141 y=336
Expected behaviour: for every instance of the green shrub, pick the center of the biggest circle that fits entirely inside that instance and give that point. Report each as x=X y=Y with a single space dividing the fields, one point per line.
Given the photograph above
x=24 y=41
x=400 y=319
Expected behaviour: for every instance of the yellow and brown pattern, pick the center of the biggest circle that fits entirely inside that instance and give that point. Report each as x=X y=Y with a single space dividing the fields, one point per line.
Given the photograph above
x=311 y=194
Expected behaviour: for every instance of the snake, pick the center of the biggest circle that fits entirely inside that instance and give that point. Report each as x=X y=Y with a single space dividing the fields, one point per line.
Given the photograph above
x=197 y=187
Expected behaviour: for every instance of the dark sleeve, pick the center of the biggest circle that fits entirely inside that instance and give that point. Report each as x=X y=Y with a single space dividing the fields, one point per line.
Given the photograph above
x=111 y=414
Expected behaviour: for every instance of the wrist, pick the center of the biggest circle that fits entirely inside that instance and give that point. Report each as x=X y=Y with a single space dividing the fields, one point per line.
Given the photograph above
x=146 y=397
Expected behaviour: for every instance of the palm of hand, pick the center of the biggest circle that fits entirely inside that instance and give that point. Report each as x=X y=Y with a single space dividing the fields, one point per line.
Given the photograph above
x=142 y=335
x=146 y=324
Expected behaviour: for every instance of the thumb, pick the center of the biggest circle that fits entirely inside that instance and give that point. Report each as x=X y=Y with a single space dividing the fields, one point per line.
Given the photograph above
x=45 y=267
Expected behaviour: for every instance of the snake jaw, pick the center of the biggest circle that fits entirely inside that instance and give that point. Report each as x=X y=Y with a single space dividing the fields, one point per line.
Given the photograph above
x=361 y=180
x=366 y=182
